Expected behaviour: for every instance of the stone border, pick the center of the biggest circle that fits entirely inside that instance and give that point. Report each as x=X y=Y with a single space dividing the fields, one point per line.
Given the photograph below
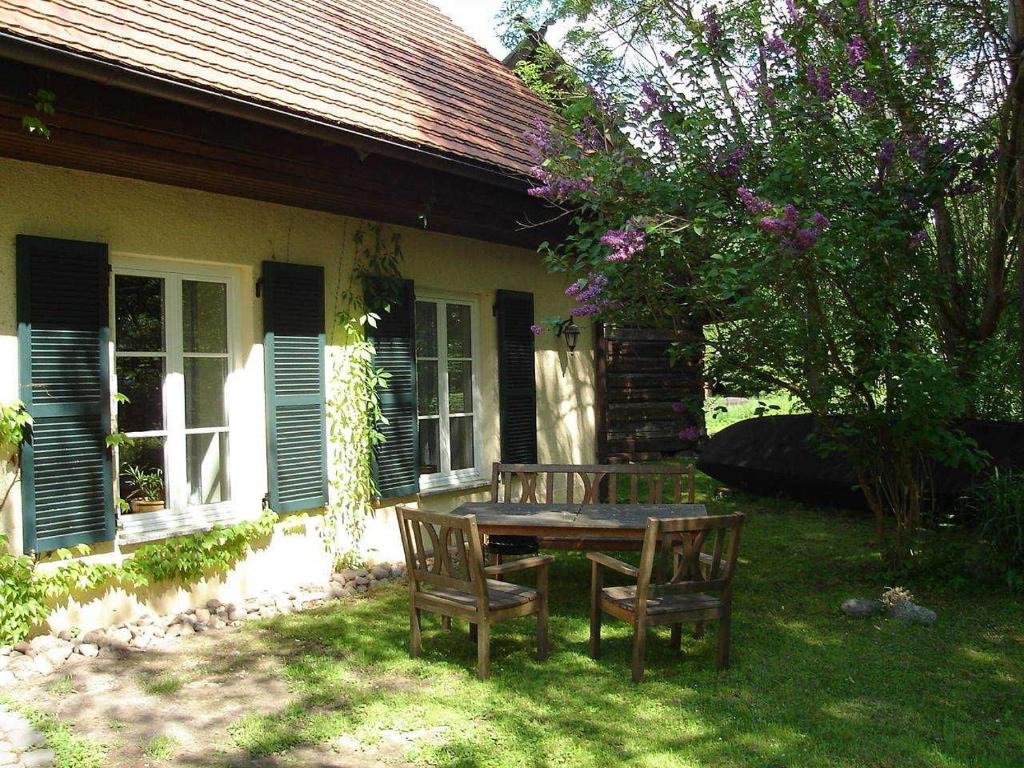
x=22 y=745
x=45 y=654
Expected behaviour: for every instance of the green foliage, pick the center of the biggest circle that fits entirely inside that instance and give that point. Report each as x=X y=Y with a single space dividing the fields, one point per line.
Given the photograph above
x=14 y=421
x=353 y=403
x=43 y=103
x=998 y=507
x=27 y=592
x=147 y=485
x=720 y=414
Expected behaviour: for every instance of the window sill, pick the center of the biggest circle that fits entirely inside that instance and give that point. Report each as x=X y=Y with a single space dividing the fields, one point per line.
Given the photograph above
x=150 y=526
x=460 y=486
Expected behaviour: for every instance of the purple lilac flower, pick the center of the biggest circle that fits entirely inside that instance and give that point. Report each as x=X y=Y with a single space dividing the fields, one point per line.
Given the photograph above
x=712 y=27
x=857 y=51
x=777 y=44
x=536 y=330
x=557 y=189
x=805 y=238
x=773 y=225
x=624 y=243
x=729 y=166
x=918 y=147
x=753 y=203
x=820 y=81
x=669 y=58
x=820 y=221
x=914 y=55
x=796 y=15
x=678 y=407
x=917 y=239
x=886 y=154
x=584 y=309
x=690 y=434
x=863 y=9
x=862 y=97
x=790 y=214
x=541 y=141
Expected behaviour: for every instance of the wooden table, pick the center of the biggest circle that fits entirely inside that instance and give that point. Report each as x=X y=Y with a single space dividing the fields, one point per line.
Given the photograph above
x=573 y=522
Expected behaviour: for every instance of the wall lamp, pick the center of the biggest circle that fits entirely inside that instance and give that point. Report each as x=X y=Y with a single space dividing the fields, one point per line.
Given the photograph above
x=570 y=332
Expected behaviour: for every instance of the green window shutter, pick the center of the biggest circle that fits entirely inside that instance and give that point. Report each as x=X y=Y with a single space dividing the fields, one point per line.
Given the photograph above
x=396 y=460
x=293 y=348
x=64 y=377
x=517 y=386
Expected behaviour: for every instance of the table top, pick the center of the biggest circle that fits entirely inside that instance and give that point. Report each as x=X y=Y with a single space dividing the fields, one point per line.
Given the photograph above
x=541 y=519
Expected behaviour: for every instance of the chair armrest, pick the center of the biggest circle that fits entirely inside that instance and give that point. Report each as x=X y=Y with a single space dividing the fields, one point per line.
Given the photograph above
x=610 y=562
x=537 y=561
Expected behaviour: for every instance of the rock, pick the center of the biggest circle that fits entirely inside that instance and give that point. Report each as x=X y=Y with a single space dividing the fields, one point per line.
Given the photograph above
x=203 y=615
x=58 y=654
x=23 y=667
x=363 y=579
x=200 y=627
x=89 y=650
x=142 y=641
x=24 y=737
x=95 y=637
x=67 y=635
x=25 y=648
x=216 y=622
x=213 y=604
x=7 y=678
x=380 y=572
x=38 y=758
x=906 y=612
x=42 y=665
x=44 y=643
x=264 y=600
x=5 y=650
x=350 y=574
x=237 y=614
x=7 y=758
x=186 y=629
x=361 y=587
x=120 y=636
x=861 y=608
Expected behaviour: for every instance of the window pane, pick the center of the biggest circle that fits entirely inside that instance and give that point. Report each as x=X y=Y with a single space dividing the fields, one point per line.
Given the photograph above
x=204 y=309
x=460 y=339
x=460 y=387
x=430 y=452
x=462 y=442
x=140 y=379
x=139 y=306
x=142 y=479
x=426 y=329
x=204 y=391
x=426 y=384
x=206 y=458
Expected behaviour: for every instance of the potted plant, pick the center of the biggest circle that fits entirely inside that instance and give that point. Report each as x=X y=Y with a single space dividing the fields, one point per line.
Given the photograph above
x=147 y=494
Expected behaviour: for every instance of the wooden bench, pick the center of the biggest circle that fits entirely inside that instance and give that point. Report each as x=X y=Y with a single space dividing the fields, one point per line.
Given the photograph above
x=593 y=484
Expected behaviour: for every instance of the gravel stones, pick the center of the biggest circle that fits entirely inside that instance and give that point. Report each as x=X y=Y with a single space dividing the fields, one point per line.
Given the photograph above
x=860 y=608
x=21 y=744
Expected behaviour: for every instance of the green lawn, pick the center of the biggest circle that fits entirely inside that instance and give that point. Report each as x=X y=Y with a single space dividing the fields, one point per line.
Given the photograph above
x=719 y=414
x=807 y=687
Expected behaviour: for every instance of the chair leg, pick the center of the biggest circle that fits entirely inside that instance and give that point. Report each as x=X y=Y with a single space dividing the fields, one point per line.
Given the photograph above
x=639 y=649
x=542 y=614
x=483 y=650
x=472 y=632
x=415 y=633
x=724 y=640
x=698 y=630
x=498 y=560
x=595 y=612
x=677 y=637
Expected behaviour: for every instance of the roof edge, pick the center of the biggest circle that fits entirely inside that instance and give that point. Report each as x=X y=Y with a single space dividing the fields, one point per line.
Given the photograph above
x=46 y=56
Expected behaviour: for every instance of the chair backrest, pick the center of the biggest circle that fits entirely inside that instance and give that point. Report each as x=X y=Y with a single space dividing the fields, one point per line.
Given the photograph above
x=550 y=483
x=688 y=555
x=442 y=551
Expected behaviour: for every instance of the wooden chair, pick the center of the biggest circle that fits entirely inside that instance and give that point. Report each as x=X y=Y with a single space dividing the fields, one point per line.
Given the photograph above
x=584 y=484
x=446 y=574
x=696 y=586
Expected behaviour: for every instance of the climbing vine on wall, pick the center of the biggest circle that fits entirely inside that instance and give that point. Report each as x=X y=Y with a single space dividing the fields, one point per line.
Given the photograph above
x=353 y=403
x=27 y=592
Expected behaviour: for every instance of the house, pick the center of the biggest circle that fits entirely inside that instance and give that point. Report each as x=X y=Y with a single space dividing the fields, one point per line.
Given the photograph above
x=220 y=178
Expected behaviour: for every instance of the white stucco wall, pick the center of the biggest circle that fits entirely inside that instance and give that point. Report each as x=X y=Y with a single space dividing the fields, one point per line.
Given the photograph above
x=141 y=219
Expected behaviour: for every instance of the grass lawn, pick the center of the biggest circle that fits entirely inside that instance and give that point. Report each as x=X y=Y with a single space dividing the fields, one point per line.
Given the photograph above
x=717 y=419
x=807 y=686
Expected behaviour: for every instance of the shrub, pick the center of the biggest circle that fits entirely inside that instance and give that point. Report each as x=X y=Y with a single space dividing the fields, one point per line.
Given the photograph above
x=998 y=506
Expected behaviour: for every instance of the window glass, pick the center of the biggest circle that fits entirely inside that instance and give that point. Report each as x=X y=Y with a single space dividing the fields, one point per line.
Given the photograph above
x=460 y=338
x=426 y=385
x=141 y=381
x=204 y=313
x=430 y=450
x=426 y=329
x=139 y=325
x=142 y=480
x=462 y=442
x=204 y=391
x=460 y=386
x=206 y=459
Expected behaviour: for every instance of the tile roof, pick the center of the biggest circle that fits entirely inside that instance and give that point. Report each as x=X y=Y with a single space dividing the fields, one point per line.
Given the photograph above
x=397 y=69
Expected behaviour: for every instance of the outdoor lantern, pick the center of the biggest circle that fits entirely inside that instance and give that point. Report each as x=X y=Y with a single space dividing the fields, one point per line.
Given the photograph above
x=571 y=332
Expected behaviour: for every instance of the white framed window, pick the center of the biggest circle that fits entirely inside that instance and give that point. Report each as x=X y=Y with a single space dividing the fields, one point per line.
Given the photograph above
x=174 y=337
x=447 y=362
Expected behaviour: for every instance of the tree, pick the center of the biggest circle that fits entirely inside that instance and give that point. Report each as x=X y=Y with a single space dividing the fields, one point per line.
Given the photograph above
x=832 y=188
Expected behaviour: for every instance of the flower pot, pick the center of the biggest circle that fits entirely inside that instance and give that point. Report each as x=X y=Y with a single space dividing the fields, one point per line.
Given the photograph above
x=146 y=505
